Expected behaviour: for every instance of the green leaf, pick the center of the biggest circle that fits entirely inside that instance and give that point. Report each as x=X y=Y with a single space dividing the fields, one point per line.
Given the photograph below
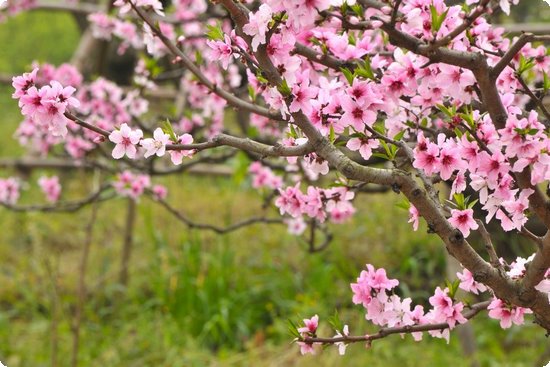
x=351 y=39
x=293 y=132
x=468 y=118
x=167 y=129
x=459 y=200
x=379 y=128
x=332 y=135
x=335 y=322
x=365 y=70
x=437 y=19
x=525 y=64
x=358 y=10
x=348 y=74
x=198 y=57
x=545 y=82
x=284 y=89
x=261 y=78
x=434 y=14
x=449 y=112
x=390 y=149
x=403 y=204
x=380 y=155
x=252 y=93
x=458 y=132
x=453 y=287
x=293 y=329
x=399 y=135
x=214 y=32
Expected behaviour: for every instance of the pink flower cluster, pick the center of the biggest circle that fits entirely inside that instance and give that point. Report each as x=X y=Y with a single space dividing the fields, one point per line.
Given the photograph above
x=308 y=330
x=125 y=5
x=463 y=220
x=507 y=314
x=334 y=203
x=389 y=310
x=102 y=103
x=500 y=310
x=9 y=190
x=468 y=283
x=44 y=106
x=131 y=185
x=51 y=187
x=264 y=177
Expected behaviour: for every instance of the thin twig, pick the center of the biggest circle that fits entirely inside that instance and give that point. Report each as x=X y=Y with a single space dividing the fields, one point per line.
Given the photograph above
x=489 y=247
x=67 y=206
x=533 y=97
x=210 y=227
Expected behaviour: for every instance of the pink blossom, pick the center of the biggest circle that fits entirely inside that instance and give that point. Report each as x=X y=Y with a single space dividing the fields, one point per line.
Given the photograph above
x=264 y=177
x=414 y=217
x=363 y=145
x=22 y=83
x=302 y=96
x=51 y=188
x=155 y=145
x=306 y=348
x=463 y=220
x=131 y=185
x=426 y=157
x=126 y=140
x=356 y=115
x=290 y=200
x=468 y=283
x=442 y=303
x=177 y=155
x=221 y=51
x=342 y=345
x=160 y=192
x=125 y=5
x=47 y=105
x=9 y=191
x=449 y=161
x=507 y=314
x=257 y=25
x=310 y=326
x=296 y=226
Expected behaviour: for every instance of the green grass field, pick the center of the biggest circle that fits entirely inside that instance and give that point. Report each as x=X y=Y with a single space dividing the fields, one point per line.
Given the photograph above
x=194 y=298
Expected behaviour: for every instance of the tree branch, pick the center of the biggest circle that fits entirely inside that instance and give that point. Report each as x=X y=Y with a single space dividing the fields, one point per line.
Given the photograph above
x=384 y=332
x=210 y=227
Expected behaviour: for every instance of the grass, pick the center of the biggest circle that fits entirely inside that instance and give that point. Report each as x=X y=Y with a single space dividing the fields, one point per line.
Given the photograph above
x=196 y=299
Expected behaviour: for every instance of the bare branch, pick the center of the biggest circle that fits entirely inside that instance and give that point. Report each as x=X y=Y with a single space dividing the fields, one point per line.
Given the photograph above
x=247 y=145
x=68 y=206
x=210 y=227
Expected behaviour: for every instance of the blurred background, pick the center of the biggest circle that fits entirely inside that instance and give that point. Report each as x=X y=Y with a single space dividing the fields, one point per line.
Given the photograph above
x=185 y=297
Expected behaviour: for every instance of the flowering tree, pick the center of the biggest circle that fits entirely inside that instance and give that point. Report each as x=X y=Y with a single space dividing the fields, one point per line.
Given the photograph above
x=340 y=94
